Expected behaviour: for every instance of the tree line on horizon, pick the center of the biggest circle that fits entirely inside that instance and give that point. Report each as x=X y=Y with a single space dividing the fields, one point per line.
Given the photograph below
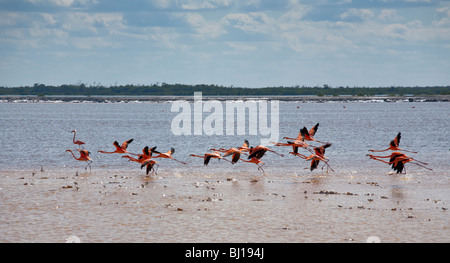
x=165 y=89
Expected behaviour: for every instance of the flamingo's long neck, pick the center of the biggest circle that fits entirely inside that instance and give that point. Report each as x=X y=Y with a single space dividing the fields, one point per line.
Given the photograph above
x=73 y=155
x=74 y=133
x=105 y=152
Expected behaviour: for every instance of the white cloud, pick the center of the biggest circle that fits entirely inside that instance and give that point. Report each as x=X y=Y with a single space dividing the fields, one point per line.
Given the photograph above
x=89 y=43
x=362 y=13
x=205 y=29
x=388 y=15
x=162 y=3
x=251 y=22
x=444 y=21
x=419 y=1
x=206 y=4
x=91 y=22
x=241 y=46
x=294 y=14
x=11 y=18
x=63 y=3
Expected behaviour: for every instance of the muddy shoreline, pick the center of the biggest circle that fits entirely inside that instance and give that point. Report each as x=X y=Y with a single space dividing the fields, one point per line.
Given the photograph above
x=127 y=206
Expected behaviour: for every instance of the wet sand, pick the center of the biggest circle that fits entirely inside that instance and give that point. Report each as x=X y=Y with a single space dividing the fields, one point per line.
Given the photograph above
x=177 y=206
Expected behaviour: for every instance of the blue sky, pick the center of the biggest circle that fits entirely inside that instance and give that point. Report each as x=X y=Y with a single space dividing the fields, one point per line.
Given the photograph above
x=244 y=43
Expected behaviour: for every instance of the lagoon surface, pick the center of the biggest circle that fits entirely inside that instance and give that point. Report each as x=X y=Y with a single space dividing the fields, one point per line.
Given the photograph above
x=47 y=196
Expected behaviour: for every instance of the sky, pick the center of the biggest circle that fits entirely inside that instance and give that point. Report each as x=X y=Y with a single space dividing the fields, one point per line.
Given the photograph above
x=240 y=43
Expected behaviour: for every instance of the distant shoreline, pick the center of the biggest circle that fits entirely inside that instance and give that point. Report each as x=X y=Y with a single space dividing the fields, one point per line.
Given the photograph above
x=309 y=98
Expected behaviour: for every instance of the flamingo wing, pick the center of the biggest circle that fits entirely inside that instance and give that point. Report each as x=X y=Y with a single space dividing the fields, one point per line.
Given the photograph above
x=304 y=133
x=125 y=144
x=257 y=152
x=396 y=158
x=229 y=152
x=300 y=135
x=84 y=153
x=145 y=151
x=235 y=157
x=153 y=150
x=314 y=130
x=149 y=167
x=396 y=142
x=207 y=159
x=246 y=144
x=398 y=166
x=116 y=144
x=321 y=150
x=314 y=163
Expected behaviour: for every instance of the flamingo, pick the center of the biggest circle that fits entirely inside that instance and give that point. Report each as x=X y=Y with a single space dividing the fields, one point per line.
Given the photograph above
x=146 y=154
x=235 y=155
x=299 y=142
x=84 y=156
x=306 y=135
x=209 y=156
x=78 y=142
x=259 y=152
x=167 y=155
x=150 y=163
x=295 y=145
x=317 y=157
x=393 y=145
x=398 y=160
x=257 y=162
x=227 y=152
x=120 y=148
x=320 y=151
x=138 y=160
x=245 y=147
x=145 y=160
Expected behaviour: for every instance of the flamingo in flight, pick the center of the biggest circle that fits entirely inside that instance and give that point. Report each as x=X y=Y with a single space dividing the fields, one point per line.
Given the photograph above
x=256 y=161
x=120 y=148
x=398 y=160
x=78 y=142
x=306 y=135
x=208 y=156
x=298 y=142
x=319 y=155
x=167 y=155
x=146 y=155
x=259 y=152
x=235 y=153
x=84 y=157
x=244 y=147
x=150 y=163
x=393 y=145
x=145 y=160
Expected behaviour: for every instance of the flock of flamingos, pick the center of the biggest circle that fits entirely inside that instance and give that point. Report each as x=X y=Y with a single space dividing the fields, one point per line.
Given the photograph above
x=397 y=160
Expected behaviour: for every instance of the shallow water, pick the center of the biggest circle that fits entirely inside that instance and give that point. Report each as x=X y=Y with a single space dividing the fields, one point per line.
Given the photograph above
x=47 y=196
